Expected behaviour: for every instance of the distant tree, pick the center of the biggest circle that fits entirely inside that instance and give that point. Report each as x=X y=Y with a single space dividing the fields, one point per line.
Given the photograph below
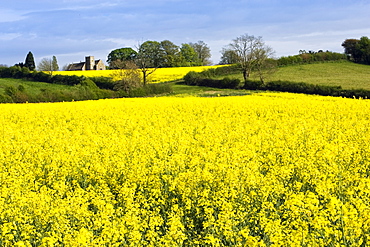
x=358 y=50
x=148 y=58
x=364 y=49
x=350 y=48
x=171 y=54
x=19 y=65
x=228 y=56
x=252 y=53
x=127 y=78
x=30 y=61
x=48 y=65
x=54 y=64
x=117 y=56
x=203 y=52
x=188 y=56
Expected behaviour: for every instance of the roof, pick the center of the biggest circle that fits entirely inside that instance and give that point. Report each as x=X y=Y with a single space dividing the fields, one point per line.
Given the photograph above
x=76 y=66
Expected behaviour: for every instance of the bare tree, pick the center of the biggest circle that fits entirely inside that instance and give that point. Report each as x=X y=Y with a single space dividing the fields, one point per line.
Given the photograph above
x=245 y=47
x=127 y=77
x=264 y=65
x=46 y=64
x=252 y=53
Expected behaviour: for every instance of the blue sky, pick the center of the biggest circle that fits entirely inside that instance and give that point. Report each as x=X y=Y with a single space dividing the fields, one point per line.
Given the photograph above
x=73 y=29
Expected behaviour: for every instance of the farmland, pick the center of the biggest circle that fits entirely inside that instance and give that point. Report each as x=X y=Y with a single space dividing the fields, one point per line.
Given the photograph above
x=160 y=75
x=272 y=169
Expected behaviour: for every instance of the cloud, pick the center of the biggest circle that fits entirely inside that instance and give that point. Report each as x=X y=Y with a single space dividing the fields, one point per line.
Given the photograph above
x=8 y=15
x=9 y=36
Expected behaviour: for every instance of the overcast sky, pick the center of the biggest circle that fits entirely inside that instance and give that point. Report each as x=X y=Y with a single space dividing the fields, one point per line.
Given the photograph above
x=73 y=29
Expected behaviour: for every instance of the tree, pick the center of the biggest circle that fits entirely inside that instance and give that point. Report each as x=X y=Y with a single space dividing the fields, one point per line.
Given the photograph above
x=127 y=78
x=119 y=56
x=171 y=54
x=350 y=49
x=228 y=56
x=251 y=52
x=264 y=65
x=188 y=56
x=364 y=49
x=358 y=50
x=46 y=64
x=148 y=58
x=30 y=61
x=54 y=64
x=49 y=65
x=203 y=52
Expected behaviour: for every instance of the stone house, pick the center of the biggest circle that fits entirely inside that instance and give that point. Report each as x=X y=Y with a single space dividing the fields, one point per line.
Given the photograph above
x=89 y=64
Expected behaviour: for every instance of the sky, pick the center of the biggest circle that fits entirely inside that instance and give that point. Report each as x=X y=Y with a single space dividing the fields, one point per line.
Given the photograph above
x=73 y=29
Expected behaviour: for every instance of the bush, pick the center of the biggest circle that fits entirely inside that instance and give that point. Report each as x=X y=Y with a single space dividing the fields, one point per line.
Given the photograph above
x=192 y=78
x=87 y=82
x=41 y=77
x=253 y=85
x=103 y=82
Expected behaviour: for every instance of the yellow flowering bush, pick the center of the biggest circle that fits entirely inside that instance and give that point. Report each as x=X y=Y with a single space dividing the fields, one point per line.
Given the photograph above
x=159 y=75
x=269 y=169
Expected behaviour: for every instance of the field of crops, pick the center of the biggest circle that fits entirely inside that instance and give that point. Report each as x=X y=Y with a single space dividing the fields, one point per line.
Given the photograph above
x=159 y=75
x=258 y=170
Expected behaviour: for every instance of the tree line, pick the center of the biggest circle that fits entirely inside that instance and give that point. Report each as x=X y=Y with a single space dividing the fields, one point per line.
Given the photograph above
x=161 y=54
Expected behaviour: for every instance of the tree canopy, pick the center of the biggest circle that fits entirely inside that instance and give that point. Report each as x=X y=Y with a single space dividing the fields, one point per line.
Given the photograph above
x=30 y=61
x=162 y=54
x=117 y=56
x=358 y=50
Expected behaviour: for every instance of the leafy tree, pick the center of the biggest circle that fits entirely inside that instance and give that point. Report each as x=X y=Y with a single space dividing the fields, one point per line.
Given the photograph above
x=364 y=49
x=119 y=56
x=228 y=56
x=54 y=64
x=171 y=54
x=148 y=58
x=188 y=56
x=358 y=50
x=30 y=61
x=203 y=52
x=350 y=48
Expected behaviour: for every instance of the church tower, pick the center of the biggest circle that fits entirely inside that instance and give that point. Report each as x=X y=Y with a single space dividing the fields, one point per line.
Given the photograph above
x=90 y=62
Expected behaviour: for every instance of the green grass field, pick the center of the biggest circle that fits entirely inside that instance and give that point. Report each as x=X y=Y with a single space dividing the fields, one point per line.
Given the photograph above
x=31 y=87
x=345 y=74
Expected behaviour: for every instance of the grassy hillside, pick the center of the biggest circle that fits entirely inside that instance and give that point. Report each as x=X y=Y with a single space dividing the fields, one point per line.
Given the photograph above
x=30 y=86
x=345 y=74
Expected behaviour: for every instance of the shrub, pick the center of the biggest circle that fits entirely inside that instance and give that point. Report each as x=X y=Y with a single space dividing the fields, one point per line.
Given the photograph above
x=192 y=78
x=103 y=82
x=87 y=82
x=252 y=85
x=41 y=77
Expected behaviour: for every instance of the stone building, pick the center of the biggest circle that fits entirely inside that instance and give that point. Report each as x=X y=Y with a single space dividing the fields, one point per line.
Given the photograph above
x=89 y=64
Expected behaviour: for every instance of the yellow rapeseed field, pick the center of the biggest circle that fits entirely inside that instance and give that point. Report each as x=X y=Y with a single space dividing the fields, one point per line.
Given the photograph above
x=261 y=170
x=159 y=75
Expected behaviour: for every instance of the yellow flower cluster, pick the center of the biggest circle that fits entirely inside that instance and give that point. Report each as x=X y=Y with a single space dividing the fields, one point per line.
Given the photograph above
x=260 y=170
x=159 y=75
